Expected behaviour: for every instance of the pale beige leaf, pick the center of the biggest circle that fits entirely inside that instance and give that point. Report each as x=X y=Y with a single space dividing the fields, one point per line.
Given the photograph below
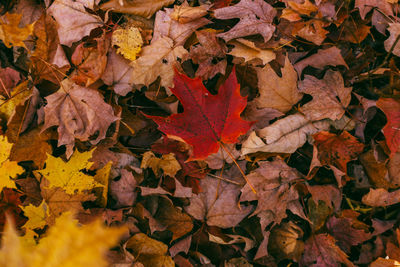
x=381 y=197
x=330 y=96
x=283 y=136
x=78 y=112
x=144 y=8
x=394 y=30
x=185 y=13
x=74 y=22
x=276 y=92
x=247 y=50
x=157 y=59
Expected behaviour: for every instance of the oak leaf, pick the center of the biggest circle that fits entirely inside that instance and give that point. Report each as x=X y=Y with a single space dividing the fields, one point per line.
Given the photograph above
x=79 y=113
x=278 y=92
x=66 y=242
x=157 y=59
x=255 y=16
x=391 y=108
x=68 y=175
x=330 y=96
x=144 y=8
x=74 y=22
x=10 y=32
x=207 y=119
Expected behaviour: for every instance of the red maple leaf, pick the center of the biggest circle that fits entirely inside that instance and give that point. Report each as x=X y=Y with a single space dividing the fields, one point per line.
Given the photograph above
x=208 y=120
x=391 y=108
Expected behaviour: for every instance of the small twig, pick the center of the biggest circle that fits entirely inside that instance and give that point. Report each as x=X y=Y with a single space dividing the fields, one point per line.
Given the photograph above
x=224 y=179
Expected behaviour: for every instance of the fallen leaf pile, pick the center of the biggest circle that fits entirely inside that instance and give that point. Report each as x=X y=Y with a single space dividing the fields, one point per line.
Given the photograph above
x=199 y=133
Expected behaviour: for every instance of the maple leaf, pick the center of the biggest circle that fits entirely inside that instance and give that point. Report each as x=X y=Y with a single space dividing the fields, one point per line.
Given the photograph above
x=294 y=10
x=68 y=175
x=36 y=215
x=8 y=169
x=256 y=17
x=217 y=203
x=252 y=54
x=129 y=41
x=118 y=73
x=330 y=97
x=365 y=6
x=391 y=108
x=167 y=163
x=185 y=13
x=10 y=33
x=10 y=204
x=18 y=96
x=208 y=120
x=278 y=92
x=205 y=53
x=381 y=197
x=74 y=22
x=337 y=150
x=321 y=250
x=157 y=59
x=123 y=190
x=144 y=8
x=79 y=113
x=9 y=79
x=66 y=242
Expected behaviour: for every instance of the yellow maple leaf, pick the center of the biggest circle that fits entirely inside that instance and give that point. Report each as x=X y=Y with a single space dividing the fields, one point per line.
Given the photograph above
x=10 y=33
x=129 y=41
x=102 y=177
x=65 y=244
x=167 y=163
x=36 y=215
x=68 y=175
x=18 y=96
x=8 y=169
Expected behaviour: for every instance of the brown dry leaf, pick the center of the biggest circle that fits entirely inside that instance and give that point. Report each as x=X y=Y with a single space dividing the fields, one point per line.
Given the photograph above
x=331 y=195
x=324 y=57
x=157 y=59
x=312 y=30
x=394 y=30
x=354 y=31
x=31 y=146
x=9 y=78
x=175 y=220
x=164 y=26
x=123 y=190
x=394 y=169
x=286 y=241
x=217 y=160
x=148 y=251
x=78 y=112
x=217 y=203
x=274 y=191
x=185 y=13
x=204 y=54
x=74 y=22
x=381 y=197
x=283 y=136
x=118 y=73
x=10 y=33
x=48 y=59
x=294 y=10
x=144 y=8
x=167 y=163
x=251 y=54
x=321 y=250
x=255 y=16
x=377 y=171
x=365 y=6
x=330 y=97
x=276 y=92
x=59 y=201
x=343 y=230
x=383 y=262
x=90 y=61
